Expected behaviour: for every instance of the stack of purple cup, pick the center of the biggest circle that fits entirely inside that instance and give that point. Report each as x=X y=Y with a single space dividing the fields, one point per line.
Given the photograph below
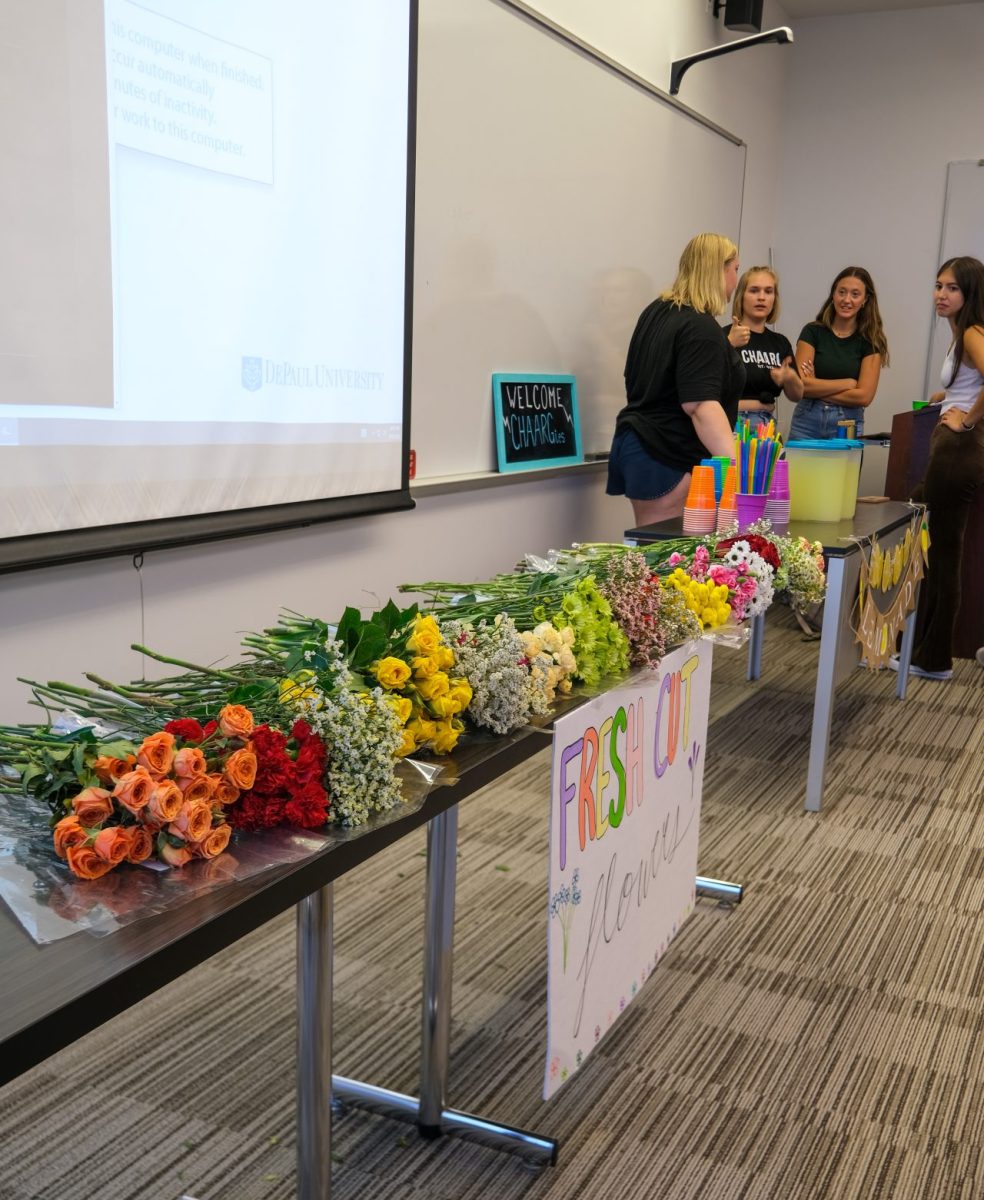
x=777 y=502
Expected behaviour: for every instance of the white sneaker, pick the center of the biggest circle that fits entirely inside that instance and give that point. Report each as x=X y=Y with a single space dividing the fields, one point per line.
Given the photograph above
x=921 y=672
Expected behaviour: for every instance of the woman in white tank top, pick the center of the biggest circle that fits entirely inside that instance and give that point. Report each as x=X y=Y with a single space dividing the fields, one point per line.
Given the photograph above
x=956 y=463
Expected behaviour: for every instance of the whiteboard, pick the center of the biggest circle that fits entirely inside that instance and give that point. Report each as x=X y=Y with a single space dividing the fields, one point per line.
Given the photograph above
x=963 y=233
x=553 y=198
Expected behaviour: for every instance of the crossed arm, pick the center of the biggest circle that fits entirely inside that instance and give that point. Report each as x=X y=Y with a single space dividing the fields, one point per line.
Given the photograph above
x=851 y=393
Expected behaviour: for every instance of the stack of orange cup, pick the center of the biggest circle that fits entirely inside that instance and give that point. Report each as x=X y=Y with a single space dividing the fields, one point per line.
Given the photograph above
x=727 y=509
x=700 y=511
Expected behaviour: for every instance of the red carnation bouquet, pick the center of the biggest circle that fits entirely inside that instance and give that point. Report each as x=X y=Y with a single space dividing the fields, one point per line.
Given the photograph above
x=289 y=784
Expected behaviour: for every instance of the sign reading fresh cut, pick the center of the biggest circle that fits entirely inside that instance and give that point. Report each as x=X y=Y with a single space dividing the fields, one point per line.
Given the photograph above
x=625 y=817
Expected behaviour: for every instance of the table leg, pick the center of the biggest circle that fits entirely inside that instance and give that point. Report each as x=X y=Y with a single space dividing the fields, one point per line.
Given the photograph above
x=823 y=704
x=442 y=850
x=719 y=889
x=755 y=643
x=905 y=651
x=429 y=1112
x=314 y=968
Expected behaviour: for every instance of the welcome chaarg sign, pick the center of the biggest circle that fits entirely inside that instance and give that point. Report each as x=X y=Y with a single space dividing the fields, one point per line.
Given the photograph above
x=536 y=421
x=625 y=816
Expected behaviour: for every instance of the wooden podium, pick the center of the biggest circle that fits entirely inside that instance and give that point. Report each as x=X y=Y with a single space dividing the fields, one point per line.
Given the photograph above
x=907 y=459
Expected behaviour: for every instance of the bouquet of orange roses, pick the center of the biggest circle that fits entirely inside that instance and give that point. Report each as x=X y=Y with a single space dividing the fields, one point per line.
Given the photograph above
x=116 y=801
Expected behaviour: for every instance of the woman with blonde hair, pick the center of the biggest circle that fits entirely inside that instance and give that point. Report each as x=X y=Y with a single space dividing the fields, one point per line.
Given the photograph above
x=682 y=382
x=839 y=357
x=767 y=355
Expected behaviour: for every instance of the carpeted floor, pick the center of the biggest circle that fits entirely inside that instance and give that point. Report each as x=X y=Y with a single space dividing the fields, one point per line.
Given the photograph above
x=823 y=1040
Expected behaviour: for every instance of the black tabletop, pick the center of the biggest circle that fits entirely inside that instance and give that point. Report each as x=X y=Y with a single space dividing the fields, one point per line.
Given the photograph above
x=52 y=994
x=838 y=538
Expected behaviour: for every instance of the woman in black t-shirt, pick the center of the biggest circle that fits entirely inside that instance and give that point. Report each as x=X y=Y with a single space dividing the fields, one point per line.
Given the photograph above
x=682 y=382
x=767 y=355
x=839 y=357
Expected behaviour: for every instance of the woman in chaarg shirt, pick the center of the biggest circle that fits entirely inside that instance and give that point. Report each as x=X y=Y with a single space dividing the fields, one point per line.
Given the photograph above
x=767 y=355
x=839 y=357
x=682 y=382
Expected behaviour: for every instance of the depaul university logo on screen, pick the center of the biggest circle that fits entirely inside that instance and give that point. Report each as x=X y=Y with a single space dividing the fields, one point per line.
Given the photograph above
x=252 y=373
x=282 y=373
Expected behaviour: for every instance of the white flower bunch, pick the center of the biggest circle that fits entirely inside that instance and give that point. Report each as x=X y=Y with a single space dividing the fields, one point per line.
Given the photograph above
x=362 y=733
x=491 y=656
x=552 y=662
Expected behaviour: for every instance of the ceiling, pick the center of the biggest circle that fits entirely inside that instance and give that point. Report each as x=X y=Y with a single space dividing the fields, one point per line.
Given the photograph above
x=830 y=8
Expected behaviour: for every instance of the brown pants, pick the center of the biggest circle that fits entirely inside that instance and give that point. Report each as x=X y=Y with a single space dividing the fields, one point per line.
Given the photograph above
x=953 y=475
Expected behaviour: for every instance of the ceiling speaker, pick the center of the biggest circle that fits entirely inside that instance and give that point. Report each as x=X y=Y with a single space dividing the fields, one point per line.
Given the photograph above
x=745 y=15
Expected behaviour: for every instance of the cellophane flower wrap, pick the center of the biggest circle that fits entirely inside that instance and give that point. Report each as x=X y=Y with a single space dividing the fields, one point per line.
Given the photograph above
x=492 y=657
x=632 y=589
x=802 y=572
x=170 y=795
x=602 y=647
x=701 y=587
x=289 y=788
x=404 y=654
x=550 y=653
x=747 y=565
x=364 y=734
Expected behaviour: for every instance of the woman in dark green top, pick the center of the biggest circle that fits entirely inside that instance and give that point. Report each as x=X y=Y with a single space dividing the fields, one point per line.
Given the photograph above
x=839 y=357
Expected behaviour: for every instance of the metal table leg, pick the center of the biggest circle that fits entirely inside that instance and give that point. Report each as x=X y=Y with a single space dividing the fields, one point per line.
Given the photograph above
x=314 y=969
x=905 y=651
x=719 y=889
x=442 y=851
x=755 y=643
x=429 y=1112
x=823 y=704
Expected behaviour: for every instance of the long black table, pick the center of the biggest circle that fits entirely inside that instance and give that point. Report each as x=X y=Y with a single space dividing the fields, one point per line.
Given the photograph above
x=52 y=993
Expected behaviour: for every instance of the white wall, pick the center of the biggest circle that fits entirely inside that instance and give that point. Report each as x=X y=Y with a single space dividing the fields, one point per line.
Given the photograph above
x=58 y=622
x=742 y=93
x=877 y=105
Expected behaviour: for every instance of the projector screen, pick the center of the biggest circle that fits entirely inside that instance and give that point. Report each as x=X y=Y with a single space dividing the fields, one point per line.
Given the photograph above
x=204 y=310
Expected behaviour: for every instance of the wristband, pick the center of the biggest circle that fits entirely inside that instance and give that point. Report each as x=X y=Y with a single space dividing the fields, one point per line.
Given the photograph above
x=964 y=425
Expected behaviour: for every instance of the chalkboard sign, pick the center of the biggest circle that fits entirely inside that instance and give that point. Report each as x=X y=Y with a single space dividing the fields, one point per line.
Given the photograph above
x=536 y=423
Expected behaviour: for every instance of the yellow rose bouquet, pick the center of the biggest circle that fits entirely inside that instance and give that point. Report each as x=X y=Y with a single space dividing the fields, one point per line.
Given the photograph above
x=404 y=654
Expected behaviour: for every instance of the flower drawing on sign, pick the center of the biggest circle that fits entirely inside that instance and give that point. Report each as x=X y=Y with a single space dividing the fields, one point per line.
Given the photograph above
x=562 y=905
x=692 y=760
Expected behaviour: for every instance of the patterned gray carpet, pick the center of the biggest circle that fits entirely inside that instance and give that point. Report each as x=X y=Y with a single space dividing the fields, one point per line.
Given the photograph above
x=824 y=1039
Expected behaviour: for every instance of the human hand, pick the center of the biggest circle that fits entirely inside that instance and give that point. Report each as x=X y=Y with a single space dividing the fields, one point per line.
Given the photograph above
x=781 y=375
x=954 y=419
x=738 y=335
x=806 y=368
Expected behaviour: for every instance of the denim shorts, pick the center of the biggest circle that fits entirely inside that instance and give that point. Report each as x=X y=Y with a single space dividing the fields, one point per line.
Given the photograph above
x=633 y=472
x=814 y=419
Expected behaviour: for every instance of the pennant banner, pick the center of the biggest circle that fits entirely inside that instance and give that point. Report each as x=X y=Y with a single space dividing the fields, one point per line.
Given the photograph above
x=888 y=590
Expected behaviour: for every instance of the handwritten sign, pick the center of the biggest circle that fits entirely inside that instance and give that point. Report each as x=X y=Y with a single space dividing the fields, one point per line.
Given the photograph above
x=625 y=815
x=536 y=421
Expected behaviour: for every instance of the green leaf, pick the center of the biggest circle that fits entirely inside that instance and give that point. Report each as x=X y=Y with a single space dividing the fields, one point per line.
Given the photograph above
x=117 y=749
x=371 y=644
x=349 y=628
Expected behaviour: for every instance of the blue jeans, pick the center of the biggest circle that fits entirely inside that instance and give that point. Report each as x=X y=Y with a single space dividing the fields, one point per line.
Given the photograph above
x=813 y=419
x=634 y=473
